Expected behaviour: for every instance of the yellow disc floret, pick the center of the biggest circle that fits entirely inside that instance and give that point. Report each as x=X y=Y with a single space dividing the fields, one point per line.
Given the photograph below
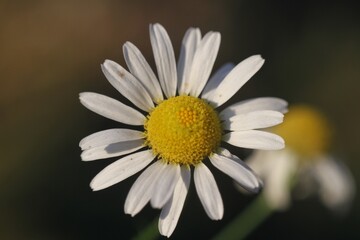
x=183 y=130
x=305 y=131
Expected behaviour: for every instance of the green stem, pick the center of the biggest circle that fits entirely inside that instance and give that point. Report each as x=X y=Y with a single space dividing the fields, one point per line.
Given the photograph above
x=149 y=232
x=246 y=221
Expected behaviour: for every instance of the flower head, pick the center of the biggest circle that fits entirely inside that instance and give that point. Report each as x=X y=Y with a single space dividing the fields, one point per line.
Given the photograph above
x=181 y=128
x=304 y=162
x=306 y=131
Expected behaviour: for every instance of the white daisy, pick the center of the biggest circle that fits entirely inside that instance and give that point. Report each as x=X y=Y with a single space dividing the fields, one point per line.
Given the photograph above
x=181 y=129
x=304 y=164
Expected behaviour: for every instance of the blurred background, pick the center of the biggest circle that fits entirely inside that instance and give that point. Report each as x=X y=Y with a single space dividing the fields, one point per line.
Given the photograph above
x=52 y=50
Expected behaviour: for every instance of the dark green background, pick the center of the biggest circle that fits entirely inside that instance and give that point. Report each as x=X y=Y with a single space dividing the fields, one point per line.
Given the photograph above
x=52 y=50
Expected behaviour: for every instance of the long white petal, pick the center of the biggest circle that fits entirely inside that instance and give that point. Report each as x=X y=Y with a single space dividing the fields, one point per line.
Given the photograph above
x=235 y=80
x=258 y=161
x=141 y=69
x=208 y=192
x=337 y=186
x=121 y=169
x=253 y=120
x=238 y=170
x=112 y=150
x=170 y=213
x=127 y=85
x=165 y=185
x=255 y=104
x=255 y=139
x=203 y=62
x=111 y=108
x=110 y=136
x=143 y=188
x=188 y=47
x=164 y=58
x=281 y=168
x=216 y=79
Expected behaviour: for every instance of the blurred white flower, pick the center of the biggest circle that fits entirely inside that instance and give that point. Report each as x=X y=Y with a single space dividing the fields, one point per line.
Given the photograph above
x=179 y=130
x=304 y=164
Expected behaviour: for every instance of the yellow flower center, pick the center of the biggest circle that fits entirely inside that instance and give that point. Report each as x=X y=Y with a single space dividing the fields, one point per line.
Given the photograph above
x=183 y=130
x=305 y=131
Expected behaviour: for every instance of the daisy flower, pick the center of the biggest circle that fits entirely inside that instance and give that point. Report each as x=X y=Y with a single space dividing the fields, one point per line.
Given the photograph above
x=181 y=128
x=304 y=164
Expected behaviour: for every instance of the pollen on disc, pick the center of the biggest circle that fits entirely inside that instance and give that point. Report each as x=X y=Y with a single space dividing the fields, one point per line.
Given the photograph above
x=183 y=130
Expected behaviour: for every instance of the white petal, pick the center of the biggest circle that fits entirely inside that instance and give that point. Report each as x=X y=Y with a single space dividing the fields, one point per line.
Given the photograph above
x=235 y=80
x=226 y=153
x=254 y=139
x=143 y=188
x=216 y=79
x=277 y=169
x=111 y=108
x=164 y=59
x=264 y=103
x=165 y=185
x=203 y=62
x=170 y=213
x=337 y=186
x=281 y=171
x=127 y=85
x=260 y=163
x=110 y=136
x=188 y=47
x=208 y=192
x=121 y=169
x=238 y=170
x=141 y=69
x=112 y=150
x=253 y=120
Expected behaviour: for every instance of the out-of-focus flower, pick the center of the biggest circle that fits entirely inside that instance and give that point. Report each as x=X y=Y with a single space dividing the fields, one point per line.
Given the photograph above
x=180 y=130
x=304 y=163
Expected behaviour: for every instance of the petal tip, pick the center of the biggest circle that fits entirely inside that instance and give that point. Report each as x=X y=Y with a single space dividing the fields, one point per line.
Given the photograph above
x=93 y=188
x=156 y=204
x=128 y=212
x=259 y=56
x=219 y=217
x=83 y=157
